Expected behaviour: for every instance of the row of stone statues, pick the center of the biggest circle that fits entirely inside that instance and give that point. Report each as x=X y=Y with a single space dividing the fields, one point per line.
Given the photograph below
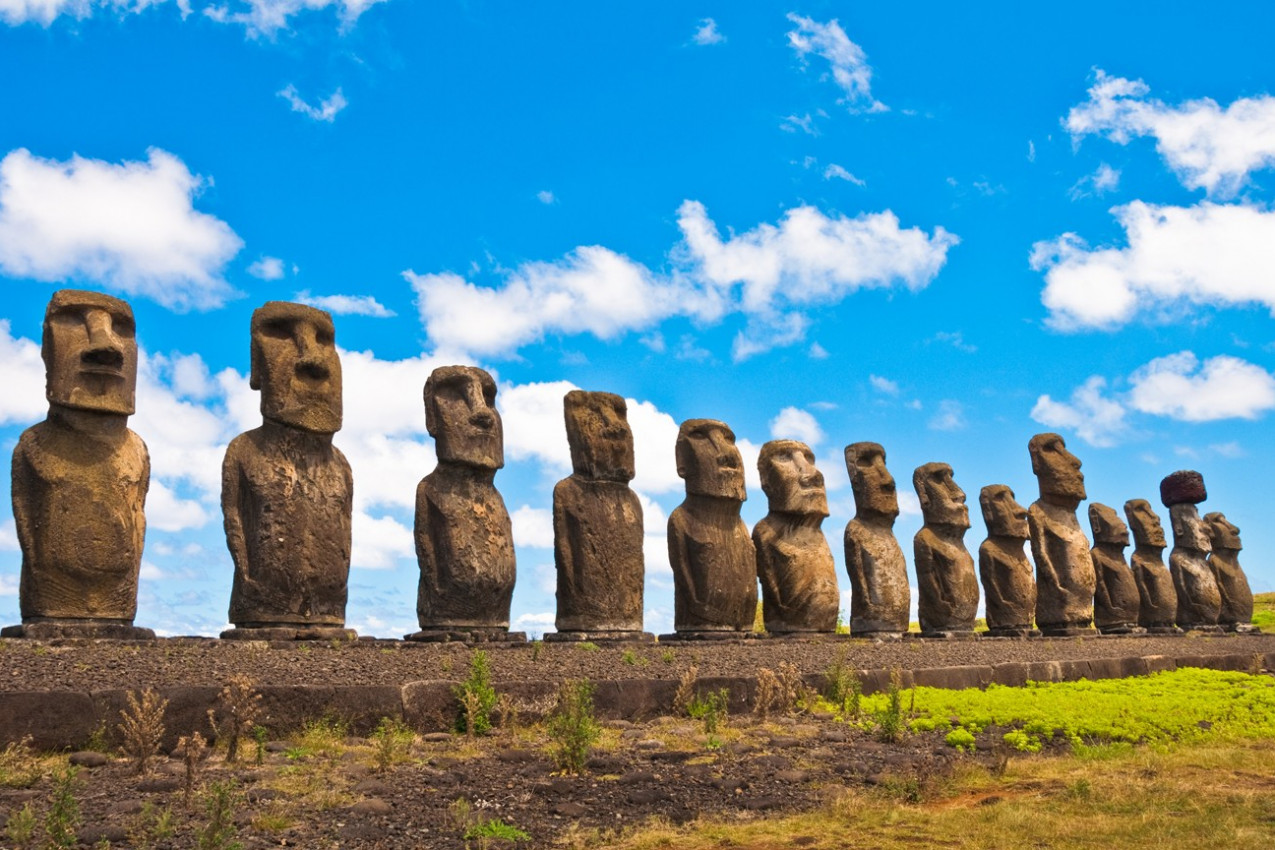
x=80 y=479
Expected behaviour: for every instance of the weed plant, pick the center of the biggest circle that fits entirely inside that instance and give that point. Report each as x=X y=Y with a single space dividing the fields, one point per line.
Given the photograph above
x=476 y=696
x=843 y=688
x=711 y=709
x=573 y=728
x=19 y=766
x=220 y=802
x=495 y=829
x=142 y=727
x=63 y=818
x=391 y=743
x=890 y=720
x=238 y=706
x=19 y=829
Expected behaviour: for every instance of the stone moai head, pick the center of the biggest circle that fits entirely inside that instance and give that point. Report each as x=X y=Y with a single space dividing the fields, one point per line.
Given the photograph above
x=708 y=460
x=1222 y=534
x=461 y=416
x=872 y=483
x=90 y=352
x=1107 y=526
x=790 y=480
x=1057 y=470
x=1144 y=523
x=1181 y=491
x=1002 y=514
x=942 y=501
x=296 y=367
x=599 y=435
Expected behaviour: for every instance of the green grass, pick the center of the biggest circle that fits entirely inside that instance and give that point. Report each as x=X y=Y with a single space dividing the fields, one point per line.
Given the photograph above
x=1264 y=611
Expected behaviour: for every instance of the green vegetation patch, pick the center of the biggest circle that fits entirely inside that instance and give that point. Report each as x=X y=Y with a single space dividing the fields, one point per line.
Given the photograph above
x=1264 y=611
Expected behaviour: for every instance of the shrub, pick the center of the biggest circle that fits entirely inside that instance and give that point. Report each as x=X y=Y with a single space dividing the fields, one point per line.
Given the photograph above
x=890 y=721
x=573 y=726
x=711 y=709
x=194 y=749
x=961 y=738
x=391 y=742
x=63 y=817
x=142 y=727
x=20 y=827
x=495 y=828
x=239 y=705
x=19 y=767
x=219 y=805
x=843 y=687
x=477 y=697
x=685 y=693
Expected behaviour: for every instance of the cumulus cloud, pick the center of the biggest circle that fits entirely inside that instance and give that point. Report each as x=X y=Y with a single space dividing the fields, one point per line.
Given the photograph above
x=707 y=33
x=130 y=227
x=269 y=17
x=1209 y=147
x=326 y=110
x=23 y=401
x=380 y=543
x=793 y=423
x=849 y=64
x=44 y=12
x=267 y=268
x=1096 y=418
x=950 y=416
x=533 y=527
x=1220 y=255
x=346 y=305
x=1181 y=387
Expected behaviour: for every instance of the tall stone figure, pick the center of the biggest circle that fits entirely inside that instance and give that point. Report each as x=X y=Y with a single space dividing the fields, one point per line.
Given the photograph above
x=798 y=576
x=1116 y=597
x=464 y=538
x=1158 y=607
x=597 y=525
x=880 y=600
x=80 y=478
x=1199 y=600
x=1065 y=580
x=946 y=583
x=1008 y=588
x=714 y=564
x=286 y=492
x=1224 y=560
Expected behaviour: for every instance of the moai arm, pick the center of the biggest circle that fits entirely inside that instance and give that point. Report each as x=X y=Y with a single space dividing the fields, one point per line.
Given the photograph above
x=679 y=558
x=232 y=507
x=993 y=598
x=22 y=470
x=765 y=569
x=426 y=555
x=143 y=487
x=563 y=552
x=1041 y=538
x=929 y=576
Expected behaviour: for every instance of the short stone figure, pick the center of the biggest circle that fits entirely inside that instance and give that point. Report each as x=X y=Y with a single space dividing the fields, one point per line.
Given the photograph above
x=597 y=525
x=714 y=564
x=1224 y=560
x=1158 y=607
x=464 y=538
x=1009 y=590
x=1065 y=580
x=1199 y=600
x=880 y=600
x=946 y=583
x=287 y=493
x=1117 y=600
x=80 y=478
x=798 y=576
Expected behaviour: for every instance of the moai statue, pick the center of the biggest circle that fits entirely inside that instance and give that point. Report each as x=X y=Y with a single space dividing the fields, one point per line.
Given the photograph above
x=1116 y=597
x=798 y=576
x=714 y=564
x=1224 y=560
x=1008 y=587
x=80 y=478
x=1199 y=600
x=946 y=584
x=597 y=525
x=464 y=539
x=1065 y=580
x=1158 y=608
x=286 y=492
x=880 y=600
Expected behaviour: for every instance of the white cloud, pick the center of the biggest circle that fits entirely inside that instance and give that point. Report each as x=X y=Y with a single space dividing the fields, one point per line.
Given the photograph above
x=795 y=424
x=1031 y=151
x=546 y=197
x=9 y=536
x=535 y=428
x=950 y=416
x=654 y=439
x=1105 y=179
x=22 y=402
x=804 y=123
x=1181 y=387
x=380 y=543
x=326 y=110
x=44 y=12
x=346 y=305
x=817 y=352
x=1096 y=419
x=1209 y=147
x=130 y=227
x=533 y=527
x=883 y=385
x=8 y=585
x=707 y=33
x=769 y=274
x=267 y=268
x=849 y=63
x=1231 y=449
x=957 y=340
x=909 y=505
x=166 y=511
x=835 y=171
x=268 y=17
x=1177 y=257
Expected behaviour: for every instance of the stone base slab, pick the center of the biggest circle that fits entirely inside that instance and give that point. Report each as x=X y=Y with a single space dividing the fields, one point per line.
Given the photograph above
x=1068 y=631
x=290 y=633
x=599 y=637
x=77 y=629
x=938 y=635
x=475 y=635
x=1012 y=632
x=697 y=636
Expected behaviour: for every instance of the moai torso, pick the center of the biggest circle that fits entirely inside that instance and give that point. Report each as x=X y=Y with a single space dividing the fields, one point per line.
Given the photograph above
x=1158 y=601
x=1116 y=597
x=1199 y=600
x=1224 y=560
x=1065 y=579
x=1009 y=592
x=794 y=564
x=946 y=584
x=880 y=599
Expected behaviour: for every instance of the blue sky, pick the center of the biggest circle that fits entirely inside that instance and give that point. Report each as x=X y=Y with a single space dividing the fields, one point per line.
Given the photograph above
x=941 y=230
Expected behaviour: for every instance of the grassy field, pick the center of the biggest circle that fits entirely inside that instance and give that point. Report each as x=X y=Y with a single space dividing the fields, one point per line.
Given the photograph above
x=1264 y=611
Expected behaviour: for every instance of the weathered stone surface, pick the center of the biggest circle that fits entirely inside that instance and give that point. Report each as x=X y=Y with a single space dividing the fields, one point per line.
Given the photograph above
x=714 y=563
x=1065 y=580
x=1116 y=597
x=597 y=521
x=1184 y=487
x=286 y=491
x=1224 y=560
x=79 y=478
x=464 y=538
x=880 y=600
x=1009 y=592
x=794 y=564
x=1199 y=600
x=1158 y=601
x=946 y=583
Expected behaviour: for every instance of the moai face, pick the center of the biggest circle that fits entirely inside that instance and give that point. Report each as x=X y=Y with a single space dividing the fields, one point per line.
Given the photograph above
x=599 y=435
x=708 y=460
x=1189 y=531
x=1107 y=525
x=461 y=416
x=296 y=367
x=872 y=483
x=790 y=480
x=1002 y=514
x=1222 y=534
x=90 y=352
x=942 y=501
x=1145 y=523
x=1057 y=470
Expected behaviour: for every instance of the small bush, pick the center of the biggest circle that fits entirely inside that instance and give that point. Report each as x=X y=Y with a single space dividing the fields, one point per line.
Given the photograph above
x=890 y=722
x=19 y=766
x=220 y=802
x=844 y=688
x=63 y=817
x=477 y=697
x=712 y=709
x=194 y=749
x=495 y=828
x=961 y=738
x=573 y=728
x=142 y=727
x=391 y=743
x=20 y=827
x=238 y=706
x=767 y=693
x=685 y=693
